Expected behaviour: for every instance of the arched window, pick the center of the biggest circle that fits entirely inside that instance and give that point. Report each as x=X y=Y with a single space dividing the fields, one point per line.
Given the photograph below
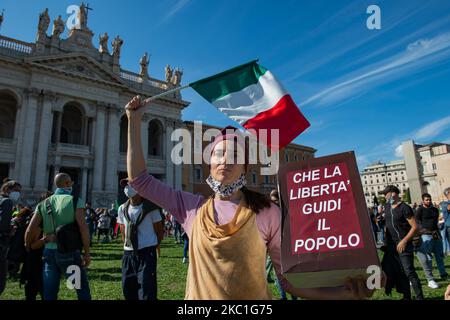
x=72 y=124
x=8 y=110
x=155 y=138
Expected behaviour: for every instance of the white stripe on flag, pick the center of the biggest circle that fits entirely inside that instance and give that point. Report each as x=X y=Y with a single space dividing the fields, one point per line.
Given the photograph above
x=252 y=100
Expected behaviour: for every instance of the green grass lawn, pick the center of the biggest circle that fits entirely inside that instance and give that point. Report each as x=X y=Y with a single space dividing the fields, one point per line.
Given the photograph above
x=105 y=276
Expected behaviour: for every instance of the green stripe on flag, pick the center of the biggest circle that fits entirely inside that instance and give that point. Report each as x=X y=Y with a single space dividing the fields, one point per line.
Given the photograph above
x=222 y=84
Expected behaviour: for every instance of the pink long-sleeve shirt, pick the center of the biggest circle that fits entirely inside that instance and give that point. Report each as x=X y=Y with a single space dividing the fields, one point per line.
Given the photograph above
x=184 y=206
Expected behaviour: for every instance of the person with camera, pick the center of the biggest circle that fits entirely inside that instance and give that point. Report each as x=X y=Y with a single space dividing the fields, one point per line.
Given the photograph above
x=142 y=230
x=427 y=217
x=401 y=227
x=65 y=233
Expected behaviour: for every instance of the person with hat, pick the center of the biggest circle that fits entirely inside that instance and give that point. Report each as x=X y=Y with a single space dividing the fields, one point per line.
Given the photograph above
x=229 y=232
x=142 y=230
x=401 y=227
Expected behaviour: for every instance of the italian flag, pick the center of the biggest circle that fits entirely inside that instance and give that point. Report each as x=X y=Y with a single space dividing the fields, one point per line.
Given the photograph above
x=251 y=95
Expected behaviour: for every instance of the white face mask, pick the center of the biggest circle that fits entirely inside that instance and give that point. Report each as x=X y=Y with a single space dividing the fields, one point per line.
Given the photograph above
x=14 y=196
x=129 y=192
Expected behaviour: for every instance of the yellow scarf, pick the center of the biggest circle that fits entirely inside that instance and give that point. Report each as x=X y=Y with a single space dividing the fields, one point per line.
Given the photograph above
x=226 y=262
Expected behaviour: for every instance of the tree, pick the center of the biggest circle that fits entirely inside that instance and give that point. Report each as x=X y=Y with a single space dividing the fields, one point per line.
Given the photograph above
x=382 y=200
x=407 y=196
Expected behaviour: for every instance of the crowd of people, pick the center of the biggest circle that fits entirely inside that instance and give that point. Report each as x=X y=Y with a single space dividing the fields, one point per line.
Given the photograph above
x=403 y=232
x=231 y=239
x=37 y=247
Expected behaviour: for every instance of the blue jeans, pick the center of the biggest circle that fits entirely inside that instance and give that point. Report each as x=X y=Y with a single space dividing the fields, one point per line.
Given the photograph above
x=177 y=232
x=186 y=247
x=424 y=254
x=445 y=233
x=91 y=231
x=281 y=290
x=55 y=265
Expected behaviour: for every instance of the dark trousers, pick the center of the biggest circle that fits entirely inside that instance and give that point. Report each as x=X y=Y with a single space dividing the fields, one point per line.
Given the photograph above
x=407 y=260
x=139 y=274
x=31 y=275
x=3 y=267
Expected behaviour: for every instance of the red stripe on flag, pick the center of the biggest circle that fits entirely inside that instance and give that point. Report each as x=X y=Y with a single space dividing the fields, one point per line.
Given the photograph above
x=284 y=116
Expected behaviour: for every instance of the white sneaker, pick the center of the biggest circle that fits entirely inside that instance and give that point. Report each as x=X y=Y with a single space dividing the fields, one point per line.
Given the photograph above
x=433 y=284
x=185 y=260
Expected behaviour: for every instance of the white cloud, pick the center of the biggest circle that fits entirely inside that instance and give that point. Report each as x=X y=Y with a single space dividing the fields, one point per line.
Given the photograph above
x=386 y=150
x=399 y=151
x=418 y=54
x=175 y=9
x=433 y=129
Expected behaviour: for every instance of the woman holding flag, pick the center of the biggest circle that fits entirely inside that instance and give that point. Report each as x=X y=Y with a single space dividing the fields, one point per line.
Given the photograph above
x=229 y=232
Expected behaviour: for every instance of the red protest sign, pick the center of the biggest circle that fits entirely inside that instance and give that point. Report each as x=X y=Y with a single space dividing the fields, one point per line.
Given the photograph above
x=322 y=210
x=327 y=236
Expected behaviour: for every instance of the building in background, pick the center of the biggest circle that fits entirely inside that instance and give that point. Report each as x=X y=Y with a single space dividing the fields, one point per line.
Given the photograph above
x=377 y=176
x=194 y=175
x=427 y=168
x=62 y=110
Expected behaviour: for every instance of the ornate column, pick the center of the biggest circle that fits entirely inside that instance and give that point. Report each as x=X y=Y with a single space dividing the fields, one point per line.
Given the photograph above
x=170 y=177
x=18 y=136
x=84 y=181
x=112 y=161
x=99 y=149
x=45 y=131
x=144 y=135
x=27 y=143
x=58 y=126
x=178 y=169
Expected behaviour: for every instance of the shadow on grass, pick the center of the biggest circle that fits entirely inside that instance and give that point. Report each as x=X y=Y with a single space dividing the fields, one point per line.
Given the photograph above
x=105 y=270
x=104 y=277
x=107 y=257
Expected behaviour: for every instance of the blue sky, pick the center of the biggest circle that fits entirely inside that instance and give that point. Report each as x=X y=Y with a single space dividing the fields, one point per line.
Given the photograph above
x=363 y=90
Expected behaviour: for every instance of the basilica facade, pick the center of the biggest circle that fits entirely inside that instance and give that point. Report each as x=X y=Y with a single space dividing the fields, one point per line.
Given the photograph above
x=62 y=110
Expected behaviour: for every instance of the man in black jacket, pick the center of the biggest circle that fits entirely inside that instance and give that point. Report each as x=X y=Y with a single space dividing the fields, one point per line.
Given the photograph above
x=427 y=216
x=10 y=194
x=401 y=228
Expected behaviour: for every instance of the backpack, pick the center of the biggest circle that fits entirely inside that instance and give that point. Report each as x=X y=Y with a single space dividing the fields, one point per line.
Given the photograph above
x=68 y=236
x=131 y=234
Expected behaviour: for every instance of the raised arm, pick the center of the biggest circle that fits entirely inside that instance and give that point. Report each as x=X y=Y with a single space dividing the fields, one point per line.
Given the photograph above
x=182 y=205
x=135 y=156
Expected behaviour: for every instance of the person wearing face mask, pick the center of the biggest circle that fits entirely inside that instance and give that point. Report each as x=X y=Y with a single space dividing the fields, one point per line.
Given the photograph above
x=427 y=217
x=61 y=209
x=9 y=197
x=229 y=232
x=401 y=227
x=141 y=227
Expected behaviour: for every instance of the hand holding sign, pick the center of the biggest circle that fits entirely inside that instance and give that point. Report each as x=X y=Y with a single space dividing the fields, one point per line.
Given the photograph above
x=327 y=237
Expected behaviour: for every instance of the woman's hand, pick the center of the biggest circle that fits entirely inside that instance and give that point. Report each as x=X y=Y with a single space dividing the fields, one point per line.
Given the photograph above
x=447 y=293
x=135 y=108
x=49 y=238
x=401 y=246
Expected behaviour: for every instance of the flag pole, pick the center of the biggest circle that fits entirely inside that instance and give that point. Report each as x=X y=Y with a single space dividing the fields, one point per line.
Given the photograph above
x=165 y=93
